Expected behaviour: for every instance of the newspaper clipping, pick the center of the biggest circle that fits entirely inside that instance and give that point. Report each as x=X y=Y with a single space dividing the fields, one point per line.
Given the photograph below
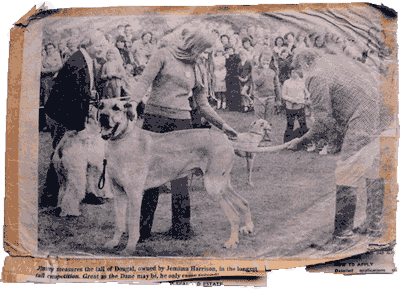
x=201 y=143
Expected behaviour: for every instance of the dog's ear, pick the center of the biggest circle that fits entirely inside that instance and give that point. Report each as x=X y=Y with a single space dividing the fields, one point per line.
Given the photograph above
x=131 y=115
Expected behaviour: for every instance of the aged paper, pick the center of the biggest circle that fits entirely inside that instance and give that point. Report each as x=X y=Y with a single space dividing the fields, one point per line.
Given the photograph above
x=275 y=256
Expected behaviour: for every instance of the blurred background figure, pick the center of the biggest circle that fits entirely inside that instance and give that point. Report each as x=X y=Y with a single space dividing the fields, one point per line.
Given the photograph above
x=232 y=81
x=220 y=78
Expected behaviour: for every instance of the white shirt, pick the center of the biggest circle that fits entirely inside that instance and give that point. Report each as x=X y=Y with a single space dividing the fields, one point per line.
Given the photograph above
x=294 y=92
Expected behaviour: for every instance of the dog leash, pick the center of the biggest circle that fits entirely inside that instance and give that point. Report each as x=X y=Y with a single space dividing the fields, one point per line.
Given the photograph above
x=95 y=103
x=102 y=180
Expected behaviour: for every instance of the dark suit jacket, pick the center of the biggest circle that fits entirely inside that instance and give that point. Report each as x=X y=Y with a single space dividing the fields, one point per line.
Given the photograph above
x=68 y=103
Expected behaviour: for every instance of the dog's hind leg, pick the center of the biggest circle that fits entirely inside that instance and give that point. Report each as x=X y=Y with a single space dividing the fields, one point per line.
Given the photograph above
x=244 y=208
x=214 y=186
x=120 y=205
x=250 y=163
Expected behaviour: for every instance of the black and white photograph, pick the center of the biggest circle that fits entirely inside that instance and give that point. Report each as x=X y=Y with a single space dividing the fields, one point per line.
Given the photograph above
x=230 y=135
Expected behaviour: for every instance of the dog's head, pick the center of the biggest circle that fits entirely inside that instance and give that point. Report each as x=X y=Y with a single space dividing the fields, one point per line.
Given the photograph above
x=114 y=117
x=261 y=127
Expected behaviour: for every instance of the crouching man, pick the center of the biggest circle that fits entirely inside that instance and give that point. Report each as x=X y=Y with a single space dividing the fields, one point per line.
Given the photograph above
x=343 y=92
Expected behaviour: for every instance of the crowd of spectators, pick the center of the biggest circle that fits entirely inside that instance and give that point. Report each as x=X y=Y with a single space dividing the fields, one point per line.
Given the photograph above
x=247 y=70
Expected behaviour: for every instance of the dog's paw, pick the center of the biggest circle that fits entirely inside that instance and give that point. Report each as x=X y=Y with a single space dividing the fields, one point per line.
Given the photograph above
x=129 y=251
x=231 y=244
x=248 y=229
x=111 y=244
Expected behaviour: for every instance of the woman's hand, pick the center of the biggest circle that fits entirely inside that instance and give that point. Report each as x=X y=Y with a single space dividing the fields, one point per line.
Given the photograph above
x=230 y=132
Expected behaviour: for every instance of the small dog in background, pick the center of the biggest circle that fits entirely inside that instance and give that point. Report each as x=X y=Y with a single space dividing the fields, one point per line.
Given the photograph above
x=259 y=134
x=330 y=142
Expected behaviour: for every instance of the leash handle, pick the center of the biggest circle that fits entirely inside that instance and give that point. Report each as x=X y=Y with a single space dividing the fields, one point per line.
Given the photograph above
x=102 y=179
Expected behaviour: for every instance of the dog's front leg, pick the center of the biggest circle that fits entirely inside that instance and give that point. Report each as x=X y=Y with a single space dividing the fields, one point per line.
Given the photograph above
x=134 y=193
x=250 y=163
x=120 y=204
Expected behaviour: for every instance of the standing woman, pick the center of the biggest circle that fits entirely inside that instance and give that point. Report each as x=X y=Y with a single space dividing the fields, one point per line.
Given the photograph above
x=176 y=76
x=245 y=80
x=143 y=49
x=232 y=81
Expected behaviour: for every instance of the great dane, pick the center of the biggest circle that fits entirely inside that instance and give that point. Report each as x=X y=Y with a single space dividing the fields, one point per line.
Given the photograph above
x=138 y=160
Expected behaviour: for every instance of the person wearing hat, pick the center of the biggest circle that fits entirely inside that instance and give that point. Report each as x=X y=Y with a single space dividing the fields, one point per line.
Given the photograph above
x=356 y=107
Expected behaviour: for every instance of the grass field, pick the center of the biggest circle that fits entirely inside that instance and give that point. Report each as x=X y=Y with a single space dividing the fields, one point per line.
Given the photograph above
x=292 y=206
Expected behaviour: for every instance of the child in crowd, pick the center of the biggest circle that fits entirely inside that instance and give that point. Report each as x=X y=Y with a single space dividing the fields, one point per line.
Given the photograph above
x=265 y=80
x=113 y=71
x=245 y=79
x=220 y=75
x=294 y=93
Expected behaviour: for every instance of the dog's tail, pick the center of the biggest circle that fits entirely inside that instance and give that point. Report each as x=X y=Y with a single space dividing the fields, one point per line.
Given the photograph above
x=252 y=149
